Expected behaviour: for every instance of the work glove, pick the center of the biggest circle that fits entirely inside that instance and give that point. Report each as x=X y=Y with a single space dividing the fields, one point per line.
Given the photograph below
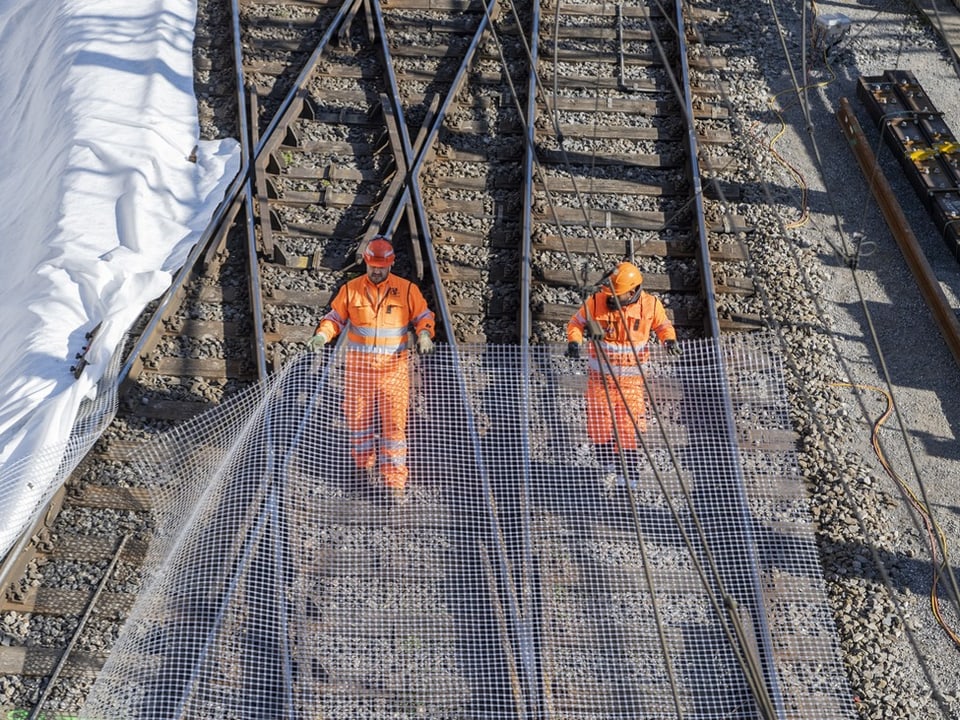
x=317 y=342
x=424 y=343
x=573 y=350
x=673 y=348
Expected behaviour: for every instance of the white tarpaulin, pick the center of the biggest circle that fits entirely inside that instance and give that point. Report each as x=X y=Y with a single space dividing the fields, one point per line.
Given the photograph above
x=103 y=203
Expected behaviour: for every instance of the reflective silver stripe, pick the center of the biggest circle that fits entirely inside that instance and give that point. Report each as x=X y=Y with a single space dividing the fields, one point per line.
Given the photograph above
x=334 y=317
x=421 y=316
x=617 y=349
x=376 y=349
x=363 y=441
x=378 y=332
x=393 y=452
x=617 y=371
x=396 y=460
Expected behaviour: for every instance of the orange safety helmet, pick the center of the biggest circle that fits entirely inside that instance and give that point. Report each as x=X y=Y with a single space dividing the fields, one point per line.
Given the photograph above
x=379 y=253
x=625 y=278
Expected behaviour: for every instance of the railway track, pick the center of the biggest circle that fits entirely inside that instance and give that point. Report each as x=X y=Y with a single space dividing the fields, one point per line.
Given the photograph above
x=509 y=193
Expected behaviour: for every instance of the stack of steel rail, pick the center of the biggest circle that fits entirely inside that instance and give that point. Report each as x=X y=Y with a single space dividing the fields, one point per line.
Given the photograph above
x=922 y=142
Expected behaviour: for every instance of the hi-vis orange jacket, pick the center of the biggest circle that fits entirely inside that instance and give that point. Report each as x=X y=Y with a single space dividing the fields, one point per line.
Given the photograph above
x=377 y=317
x=622 y=334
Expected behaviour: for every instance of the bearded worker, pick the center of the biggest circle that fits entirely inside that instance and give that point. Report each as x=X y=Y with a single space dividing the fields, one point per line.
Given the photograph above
x=377 y=312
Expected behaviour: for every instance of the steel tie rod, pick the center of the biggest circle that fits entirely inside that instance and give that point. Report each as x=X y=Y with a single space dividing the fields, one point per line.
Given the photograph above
x=61 y=663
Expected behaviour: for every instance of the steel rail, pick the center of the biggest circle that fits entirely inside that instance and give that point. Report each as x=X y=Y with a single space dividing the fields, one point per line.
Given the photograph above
x=530 y=586
x=763 y=681
x=423 y=147
x=14 y=563
x=621 y=60
x=922 y=271
x=268 y=501
x=249 y=136
x=405 y=154
x=611 y=388
x=529 y=165
x=255 y=288
x=521 y=624
x=228 y=207
x=292 y=104
x=693 y=170
x=289 y=109
x=249 y=549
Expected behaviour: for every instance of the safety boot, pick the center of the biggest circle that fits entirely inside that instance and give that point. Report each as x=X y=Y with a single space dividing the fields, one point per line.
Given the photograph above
x=611 y=477
x=367 y=468
x=399 y=495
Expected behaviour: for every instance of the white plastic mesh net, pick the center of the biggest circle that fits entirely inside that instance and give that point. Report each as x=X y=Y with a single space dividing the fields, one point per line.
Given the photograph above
x=517 y=577
x=27 y=486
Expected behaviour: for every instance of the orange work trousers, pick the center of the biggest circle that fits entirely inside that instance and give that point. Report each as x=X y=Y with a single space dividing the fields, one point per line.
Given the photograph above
x=600 y=419
x=377 y=397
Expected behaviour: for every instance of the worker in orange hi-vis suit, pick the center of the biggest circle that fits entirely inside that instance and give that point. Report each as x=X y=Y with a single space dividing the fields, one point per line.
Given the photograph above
x=621 y=317
x=377 y=311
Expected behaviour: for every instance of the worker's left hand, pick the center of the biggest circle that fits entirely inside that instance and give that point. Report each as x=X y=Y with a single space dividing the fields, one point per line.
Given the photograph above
x=673 y=347
x=424 y=343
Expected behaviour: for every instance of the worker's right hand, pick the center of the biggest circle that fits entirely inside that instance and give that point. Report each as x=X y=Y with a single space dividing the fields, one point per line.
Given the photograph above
x=317 y=342
x=573 y=350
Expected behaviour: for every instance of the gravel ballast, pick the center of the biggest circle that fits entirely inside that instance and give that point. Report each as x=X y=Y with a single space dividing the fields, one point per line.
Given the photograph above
x=846 y=304
x=840 y=323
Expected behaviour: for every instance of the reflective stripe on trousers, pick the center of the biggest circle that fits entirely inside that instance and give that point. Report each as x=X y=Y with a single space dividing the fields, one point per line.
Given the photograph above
x=377 y=390
x=600 y=421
